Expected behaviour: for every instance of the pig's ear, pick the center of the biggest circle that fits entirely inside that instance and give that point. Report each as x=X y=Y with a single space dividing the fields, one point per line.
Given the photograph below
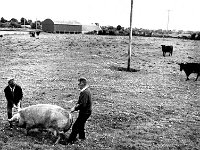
x=19 y=109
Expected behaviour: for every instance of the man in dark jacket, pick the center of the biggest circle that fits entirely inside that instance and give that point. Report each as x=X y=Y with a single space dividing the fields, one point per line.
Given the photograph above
x=84 y=105
x=13 y=94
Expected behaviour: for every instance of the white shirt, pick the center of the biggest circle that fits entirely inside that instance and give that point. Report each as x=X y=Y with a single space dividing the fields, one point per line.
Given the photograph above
x=12 y=89
x=83 y=89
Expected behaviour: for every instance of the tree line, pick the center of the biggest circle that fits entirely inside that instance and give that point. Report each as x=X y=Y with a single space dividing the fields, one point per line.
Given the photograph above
x=14 y=23
x=121 y=31
x=105 y=30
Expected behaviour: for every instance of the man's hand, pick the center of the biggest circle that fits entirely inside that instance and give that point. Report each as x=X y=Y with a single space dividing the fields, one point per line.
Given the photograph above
x=72 y=109
x=17 y=107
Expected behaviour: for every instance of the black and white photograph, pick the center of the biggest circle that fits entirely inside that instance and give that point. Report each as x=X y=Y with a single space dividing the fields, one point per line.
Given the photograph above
x=99 y=75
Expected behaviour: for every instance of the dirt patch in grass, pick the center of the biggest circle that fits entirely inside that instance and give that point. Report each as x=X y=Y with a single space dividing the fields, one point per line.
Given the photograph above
x=123 y=69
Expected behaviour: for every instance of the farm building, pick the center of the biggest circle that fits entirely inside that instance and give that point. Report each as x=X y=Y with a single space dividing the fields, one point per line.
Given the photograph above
x=67 y=27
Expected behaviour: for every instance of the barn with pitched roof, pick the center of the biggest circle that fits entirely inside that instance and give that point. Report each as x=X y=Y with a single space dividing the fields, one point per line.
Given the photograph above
x=72 y=27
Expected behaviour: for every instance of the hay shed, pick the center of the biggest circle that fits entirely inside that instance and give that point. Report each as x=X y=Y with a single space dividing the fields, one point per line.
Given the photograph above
x=60 y=27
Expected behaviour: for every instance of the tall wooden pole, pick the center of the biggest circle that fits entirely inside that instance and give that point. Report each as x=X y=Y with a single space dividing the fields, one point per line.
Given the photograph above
x=36 y=24
x=24 y=22
x=130 y=38
x=168 y=20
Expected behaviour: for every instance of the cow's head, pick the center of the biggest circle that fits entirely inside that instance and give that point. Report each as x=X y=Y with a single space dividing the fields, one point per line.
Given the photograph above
x=163 y=45
x=181 y=66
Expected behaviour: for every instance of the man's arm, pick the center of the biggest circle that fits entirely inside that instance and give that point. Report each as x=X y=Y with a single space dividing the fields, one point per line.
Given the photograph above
x=20 y=93
x=7 y=94
x=82 y=101
x=18 y=106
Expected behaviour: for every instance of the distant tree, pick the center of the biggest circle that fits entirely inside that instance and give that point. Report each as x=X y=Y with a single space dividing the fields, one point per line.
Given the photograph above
x=3 y=20
x=102 y=32
x=15 y=24
x=13 y=20
x=2 y=25
x=33 y=25
x=30 y=22
x=193 y=36
x=198 y=36
x=111 y=28
x=39 y=22
x=23 y=20
x=5 y=25
x=112 y=32
x=119 y=27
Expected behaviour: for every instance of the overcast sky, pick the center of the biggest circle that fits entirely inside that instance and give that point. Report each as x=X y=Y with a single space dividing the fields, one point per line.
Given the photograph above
x=149 y=14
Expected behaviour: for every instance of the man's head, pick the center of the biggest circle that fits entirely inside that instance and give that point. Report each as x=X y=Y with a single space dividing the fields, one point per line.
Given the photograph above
x=82 y=83
x=11 y=83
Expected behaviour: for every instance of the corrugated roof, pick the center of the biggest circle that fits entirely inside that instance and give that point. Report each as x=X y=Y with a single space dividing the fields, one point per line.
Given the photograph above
x=71 y=22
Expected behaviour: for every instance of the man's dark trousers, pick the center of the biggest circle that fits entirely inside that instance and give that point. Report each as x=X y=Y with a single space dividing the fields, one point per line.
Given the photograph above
x=79 y=127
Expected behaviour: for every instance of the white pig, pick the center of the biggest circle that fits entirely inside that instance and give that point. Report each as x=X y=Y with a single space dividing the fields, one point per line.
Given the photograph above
x=45 y=116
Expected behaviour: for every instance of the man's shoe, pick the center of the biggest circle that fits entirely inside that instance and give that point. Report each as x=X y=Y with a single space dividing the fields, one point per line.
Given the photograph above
x=82 y=139
x=10 y=125
x=71 y=141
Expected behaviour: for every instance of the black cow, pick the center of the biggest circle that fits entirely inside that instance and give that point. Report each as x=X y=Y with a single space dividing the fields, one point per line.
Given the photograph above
x=1 y=35
x=37 y=33
x=32 y=34
x=168 y=49
x=189 y=68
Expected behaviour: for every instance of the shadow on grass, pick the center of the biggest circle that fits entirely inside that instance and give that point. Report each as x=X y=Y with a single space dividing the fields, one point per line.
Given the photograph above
x=116 y=68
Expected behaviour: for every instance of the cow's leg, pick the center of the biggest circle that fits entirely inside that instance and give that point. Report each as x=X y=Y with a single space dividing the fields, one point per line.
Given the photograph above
x=197 y=76
x=187 y=74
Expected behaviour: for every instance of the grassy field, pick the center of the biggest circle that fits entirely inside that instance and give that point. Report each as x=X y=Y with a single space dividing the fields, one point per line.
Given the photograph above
x=153 y=108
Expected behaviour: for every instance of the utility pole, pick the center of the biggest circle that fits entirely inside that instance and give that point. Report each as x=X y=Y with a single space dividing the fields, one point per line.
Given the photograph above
x=24 y=22
x=168 y=20
x=130 y=38
x=36 y=24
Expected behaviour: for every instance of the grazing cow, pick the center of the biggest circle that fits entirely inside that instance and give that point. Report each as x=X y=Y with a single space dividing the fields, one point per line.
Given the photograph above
x=37 y=33
x=44 y=116
x=32 y=34
x=189 y=68
x=168 y=49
